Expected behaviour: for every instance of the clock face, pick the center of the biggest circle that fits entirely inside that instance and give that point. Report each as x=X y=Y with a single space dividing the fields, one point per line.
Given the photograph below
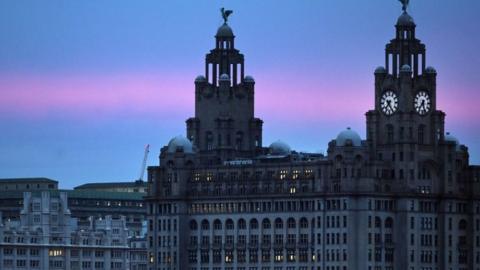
x=389 y=103
x=422 y=103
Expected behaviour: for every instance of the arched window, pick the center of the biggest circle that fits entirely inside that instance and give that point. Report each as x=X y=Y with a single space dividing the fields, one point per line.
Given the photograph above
x=378 y=222
x=278 y=223
x=193 y=225
x=209 y=140
x=253 y=224
x=205 y=225
x=389 y=222
x=389 y=133
x=462 y=225
x=291 y=223
x=421 y=134
x=303 y=223
x=229 y=224
x=266 y=223
x=217 y=224
x=242 y=225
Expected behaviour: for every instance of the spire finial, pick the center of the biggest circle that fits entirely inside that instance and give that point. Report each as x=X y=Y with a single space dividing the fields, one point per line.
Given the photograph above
x=225 y=14
x=404 y=4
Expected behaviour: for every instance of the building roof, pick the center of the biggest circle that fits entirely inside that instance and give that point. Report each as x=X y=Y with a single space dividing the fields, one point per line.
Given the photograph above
x=224 y=31
x=28 y=180
x=180 y=143
x=348 y=137
x=109 y=195
x=405 y=20
x=79 y=194
x=111 y=185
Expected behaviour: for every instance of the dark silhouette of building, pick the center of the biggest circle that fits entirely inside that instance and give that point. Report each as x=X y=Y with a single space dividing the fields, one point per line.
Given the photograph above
x=404 y=198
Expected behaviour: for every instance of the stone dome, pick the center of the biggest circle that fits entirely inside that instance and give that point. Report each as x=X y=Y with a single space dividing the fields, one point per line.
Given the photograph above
x=180 y=143
x=200 y=78
x=430 y=70
x=249 y=79
x=380 y=70
x=405 y=20
x=450 y=138
x=348 y=137
x=224 y=31
x=279 y=148
x=406 y=68
x=224 y=77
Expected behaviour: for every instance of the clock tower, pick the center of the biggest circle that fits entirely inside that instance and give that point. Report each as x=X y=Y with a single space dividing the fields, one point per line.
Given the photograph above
x=405 y=127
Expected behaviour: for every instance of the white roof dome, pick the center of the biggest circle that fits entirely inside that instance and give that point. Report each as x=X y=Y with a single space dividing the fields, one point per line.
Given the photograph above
x=279 y=148
x=406 y=68
x=450 y=138
x=180 y=143
x=224 y=77
x=380 y=70
x=348 y=137
x=430 y=69
x=200 y=78
x=249 y=79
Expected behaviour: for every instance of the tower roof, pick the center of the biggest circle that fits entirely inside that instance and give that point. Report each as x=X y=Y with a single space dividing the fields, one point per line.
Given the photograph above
x=224 y=31
x=405 y=20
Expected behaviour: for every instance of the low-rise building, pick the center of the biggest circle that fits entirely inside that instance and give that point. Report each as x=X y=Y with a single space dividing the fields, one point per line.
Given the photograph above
x=47 y=237
x=28 y=184
x=82 y=202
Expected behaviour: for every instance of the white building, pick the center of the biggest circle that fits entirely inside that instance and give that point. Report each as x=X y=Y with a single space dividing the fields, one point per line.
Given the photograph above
x=47 y=237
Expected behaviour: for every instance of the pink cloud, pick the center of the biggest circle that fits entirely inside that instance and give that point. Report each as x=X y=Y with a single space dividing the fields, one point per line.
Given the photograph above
x=278 y=96
x=88 y=95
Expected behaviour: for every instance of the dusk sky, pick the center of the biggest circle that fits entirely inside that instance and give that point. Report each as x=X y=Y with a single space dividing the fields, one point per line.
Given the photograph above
x=84 y=85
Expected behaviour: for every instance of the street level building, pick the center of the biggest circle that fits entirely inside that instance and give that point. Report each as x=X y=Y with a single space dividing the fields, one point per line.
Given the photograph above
x=403 y=197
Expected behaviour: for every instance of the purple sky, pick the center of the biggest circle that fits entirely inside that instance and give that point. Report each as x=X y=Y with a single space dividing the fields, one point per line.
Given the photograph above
x=84 y=85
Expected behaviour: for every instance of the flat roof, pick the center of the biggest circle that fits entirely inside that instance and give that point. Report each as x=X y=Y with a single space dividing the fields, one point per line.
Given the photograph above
x=112 y=185
x=78 y=194
x=28 y=180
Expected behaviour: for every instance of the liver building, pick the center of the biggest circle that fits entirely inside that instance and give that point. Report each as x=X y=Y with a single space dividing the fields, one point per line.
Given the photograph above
x=405 y=197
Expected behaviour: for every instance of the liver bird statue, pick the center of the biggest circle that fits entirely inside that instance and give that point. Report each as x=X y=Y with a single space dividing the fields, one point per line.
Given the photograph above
x=405 y=4
x=225 y=14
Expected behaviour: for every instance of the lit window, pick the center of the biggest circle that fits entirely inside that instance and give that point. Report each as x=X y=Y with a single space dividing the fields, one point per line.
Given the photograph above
x=55 y=252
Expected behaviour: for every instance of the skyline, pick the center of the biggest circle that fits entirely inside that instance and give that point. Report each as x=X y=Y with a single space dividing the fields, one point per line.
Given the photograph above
x=104 y=102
